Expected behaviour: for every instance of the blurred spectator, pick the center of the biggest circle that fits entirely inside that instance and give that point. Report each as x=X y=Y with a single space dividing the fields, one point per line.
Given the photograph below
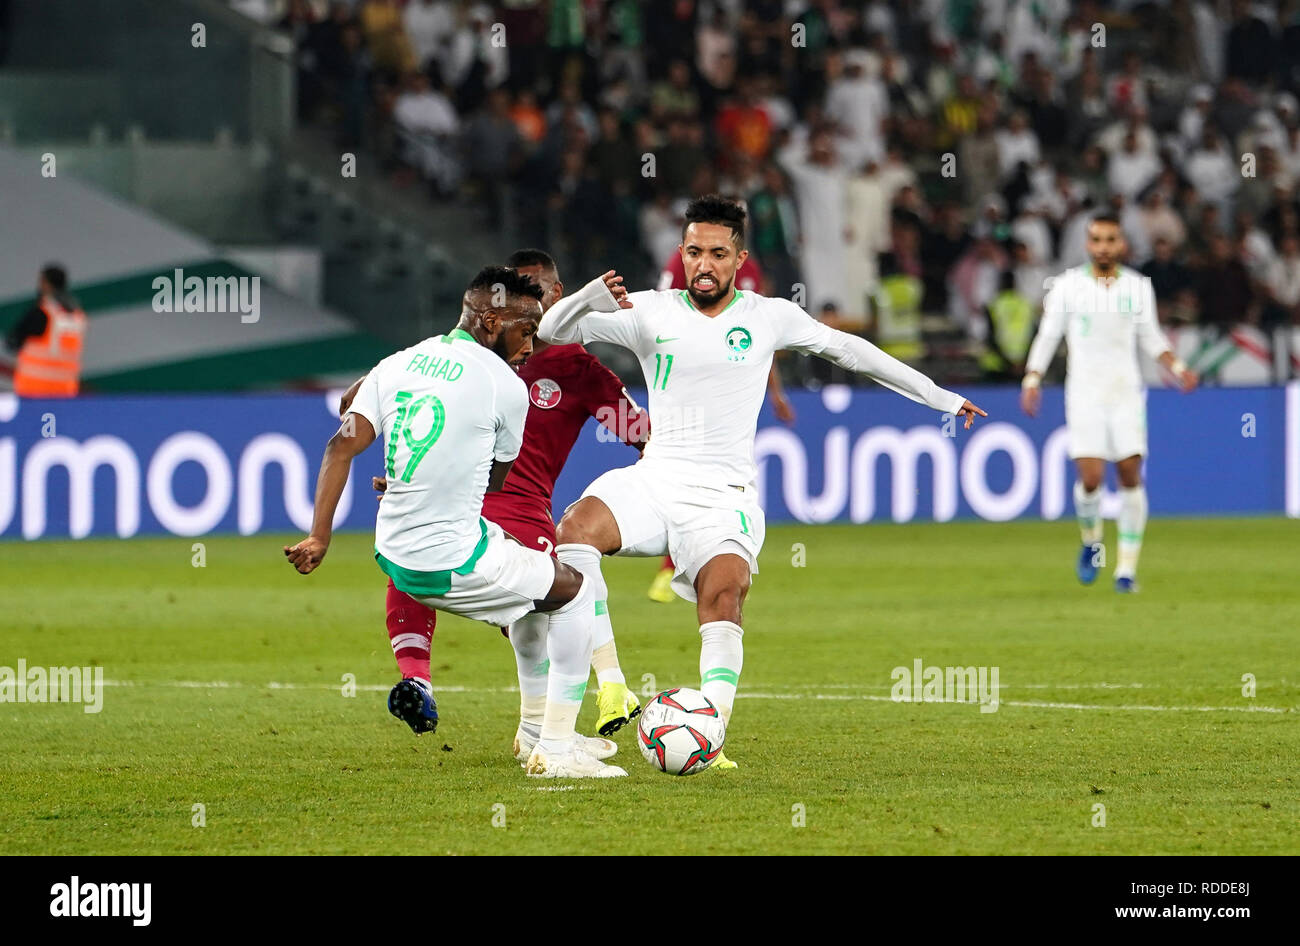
x=473 y=62
x=381 y=25
x=1008 y=332
x=1212 y=171
x=820 y=179
x=1171 y=280
x=1250 y=45
x=867 y=235
x=1223 y=287
x=1016 y=143
x=528 y=118
x=674 y=95
x=977 y=158
x=774 y=229
x=429 y=25
x=492 y=152
x=941 y=246
x=427 y=125
x=1159 y=221
x=1282 y=285
x=1130 y=168
x=1193 y=119
x=743 y=125
x=858 y=104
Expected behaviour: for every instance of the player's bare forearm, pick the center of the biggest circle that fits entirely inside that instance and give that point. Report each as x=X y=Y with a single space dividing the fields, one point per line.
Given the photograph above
x=498 y=474
x=352 y=437
x=781 y=405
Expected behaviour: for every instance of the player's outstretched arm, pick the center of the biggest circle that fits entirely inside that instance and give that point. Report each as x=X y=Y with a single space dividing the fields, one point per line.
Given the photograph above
x=1051 y=329
x=859 y=355
x=353 y=436
x=562 y=323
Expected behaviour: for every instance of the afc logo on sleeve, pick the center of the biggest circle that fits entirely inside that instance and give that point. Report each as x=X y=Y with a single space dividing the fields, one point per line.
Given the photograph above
x=545 y=393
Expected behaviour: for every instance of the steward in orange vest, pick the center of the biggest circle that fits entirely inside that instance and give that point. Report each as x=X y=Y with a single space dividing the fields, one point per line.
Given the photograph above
x=48 y=339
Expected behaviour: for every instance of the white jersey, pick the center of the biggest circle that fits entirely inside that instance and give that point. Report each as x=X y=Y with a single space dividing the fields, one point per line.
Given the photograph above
x=446 y=409
x=708 y=375
x=1104 y=323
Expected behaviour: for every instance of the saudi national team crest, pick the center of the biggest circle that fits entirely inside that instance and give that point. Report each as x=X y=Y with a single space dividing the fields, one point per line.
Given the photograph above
x=739 y=342
x=545 y=393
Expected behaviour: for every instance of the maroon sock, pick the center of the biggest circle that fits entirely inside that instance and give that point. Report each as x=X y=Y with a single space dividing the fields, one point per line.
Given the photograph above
x=410 y=631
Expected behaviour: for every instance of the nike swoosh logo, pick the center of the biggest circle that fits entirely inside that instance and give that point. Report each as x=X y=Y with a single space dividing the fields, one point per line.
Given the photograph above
x=660 y=341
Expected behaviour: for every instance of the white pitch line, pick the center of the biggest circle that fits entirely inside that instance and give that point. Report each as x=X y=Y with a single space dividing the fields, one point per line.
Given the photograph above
x=754 y=695
x=1032 y=704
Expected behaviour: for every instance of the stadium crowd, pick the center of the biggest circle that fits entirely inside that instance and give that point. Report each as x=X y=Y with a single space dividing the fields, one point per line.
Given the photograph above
x=904 y=163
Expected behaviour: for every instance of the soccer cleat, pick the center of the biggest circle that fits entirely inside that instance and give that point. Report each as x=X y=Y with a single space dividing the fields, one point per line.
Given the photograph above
x=412 y=702
x=1126 y=585
x=1091 y=557
x=598 y=748
x=722 y=762
x=616 y=706
x=577 y=762
x=661 y=589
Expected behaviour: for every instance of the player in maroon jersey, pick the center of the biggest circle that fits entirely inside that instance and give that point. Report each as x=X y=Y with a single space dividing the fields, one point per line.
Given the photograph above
x=566 y=386
x=749 y=278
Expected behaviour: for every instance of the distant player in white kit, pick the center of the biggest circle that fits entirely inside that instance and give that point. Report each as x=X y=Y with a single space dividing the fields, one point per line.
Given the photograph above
x=705 y=351
x=1106 y=312
x=451 y=410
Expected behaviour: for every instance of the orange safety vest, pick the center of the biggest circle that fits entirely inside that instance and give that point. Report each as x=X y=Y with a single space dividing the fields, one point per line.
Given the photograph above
x=49 y=364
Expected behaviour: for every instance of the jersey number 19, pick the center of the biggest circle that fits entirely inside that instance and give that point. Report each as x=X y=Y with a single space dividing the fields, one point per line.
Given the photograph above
x=407 y=409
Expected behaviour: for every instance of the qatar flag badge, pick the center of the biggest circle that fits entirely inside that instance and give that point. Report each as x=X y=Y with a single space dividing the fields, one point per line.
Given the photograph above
x=545 y=393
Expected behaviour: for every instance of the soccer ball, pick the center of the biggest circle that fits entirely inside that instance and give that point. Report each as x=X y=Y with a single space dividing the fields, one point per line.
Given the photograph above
x=680 y=732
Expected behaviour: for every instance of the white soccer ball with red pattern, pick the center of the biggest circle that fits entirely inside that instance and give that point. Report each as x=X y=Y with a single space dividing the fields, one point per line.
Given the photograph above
x=681 y=732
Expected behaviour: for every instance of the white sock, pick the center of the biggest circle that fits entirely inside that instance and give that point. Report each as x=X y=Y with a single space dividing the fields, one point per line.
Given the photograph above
x=1087 y=508
x=568 y=647
x=1132 y=523
x=721 y=656
x=604 y=660
x=528 y=638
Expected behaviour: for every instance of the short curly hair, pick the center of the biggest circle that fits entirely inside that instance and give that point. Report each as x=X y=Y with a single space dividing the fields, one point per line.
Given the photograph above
x=714 y=208
x=514 y=283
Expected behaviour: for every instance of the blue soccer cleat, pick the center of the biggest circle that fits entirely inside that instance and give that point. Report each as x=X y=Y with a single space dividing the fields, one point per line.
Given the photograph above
x=1126 y=585
x=412 y=702
x=1091 y=558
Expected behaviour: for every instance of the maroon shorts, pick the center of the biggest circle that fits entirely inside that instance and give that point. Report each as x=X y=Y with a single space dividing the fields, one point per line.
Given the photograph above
x=529 y=522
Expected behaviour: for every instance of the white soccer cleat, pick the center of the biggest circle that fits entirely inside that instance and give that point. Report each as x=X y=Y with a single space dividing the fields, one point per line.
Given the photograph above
x=576 y=763
x=594 y=745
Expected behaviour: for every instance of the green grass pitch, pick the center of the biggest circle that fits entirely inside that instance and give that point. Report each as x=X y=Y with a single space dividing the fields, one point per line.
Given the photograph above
x=1133 y=703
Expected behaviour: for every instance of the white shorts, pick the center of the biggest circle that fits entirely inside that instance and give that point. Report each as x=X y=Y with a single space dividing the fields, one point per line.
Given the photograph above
x=501 y=586
x=1109 y=432
x=657 y=512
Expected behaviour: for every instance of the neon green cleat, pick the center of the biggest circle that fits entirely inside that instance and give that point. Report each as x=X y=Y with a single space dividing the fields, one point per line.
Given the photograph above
x=616 y=706
x=661 y=589
x=722 y=762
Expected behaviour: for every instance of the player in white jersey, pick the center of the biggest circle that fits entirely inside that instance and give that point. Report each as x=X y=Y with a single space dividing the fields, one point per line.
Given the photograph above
x=452 y=410
x=1106 y=312
x=705 y=352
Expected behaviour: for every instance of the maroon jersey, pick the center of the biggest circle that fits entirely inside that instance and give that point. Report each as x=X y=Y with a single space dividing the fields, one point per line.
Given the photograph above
x=566 y=385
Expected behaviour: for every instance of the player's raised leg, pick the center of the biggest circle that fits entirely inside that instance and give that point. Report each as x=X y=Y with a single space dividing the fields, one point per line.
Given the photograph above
x=410 y=633
x=1087 y=509
x=587 y=531
x=720 y=588
x=1132 y=522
